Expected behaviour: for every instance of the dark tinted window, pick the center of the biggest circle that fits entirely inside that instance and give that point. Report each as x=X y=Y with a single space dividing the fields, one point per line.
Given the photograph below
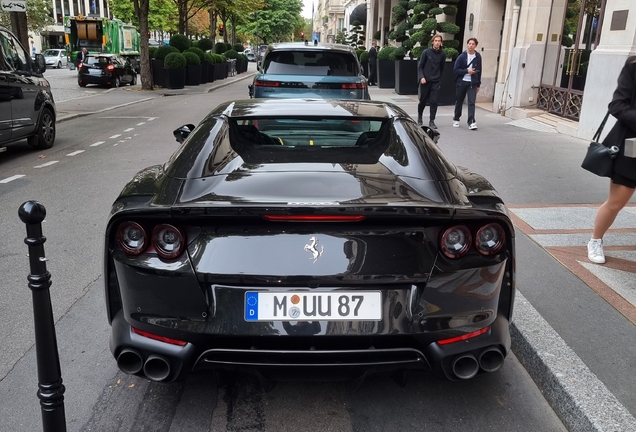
x=311 y=62
x=13 y=56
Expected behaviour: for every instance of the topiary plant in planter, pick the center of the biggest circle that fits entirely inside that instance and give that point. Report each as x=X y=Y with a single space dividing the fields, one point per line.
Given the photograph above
x=386 y=68
x=193 y=74
x=364 y=61
x=206 y=44
x=175 y=70
x=220 y=48
x=180 y=42
x=209 y=58
x=204 y=65
x=428 y=16
x=158 y=75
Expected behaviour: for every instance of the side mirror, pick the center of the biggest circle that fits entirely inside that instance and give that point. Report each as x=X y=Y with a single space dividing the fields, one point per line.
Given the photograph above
x=432 y=133
x=182 y=133
x=40 y=64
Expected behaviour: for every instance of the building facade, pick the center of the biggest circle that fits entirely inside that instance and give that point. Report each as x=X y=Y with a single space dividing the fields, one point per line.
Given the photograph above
x=53 y=36
x=555 y=56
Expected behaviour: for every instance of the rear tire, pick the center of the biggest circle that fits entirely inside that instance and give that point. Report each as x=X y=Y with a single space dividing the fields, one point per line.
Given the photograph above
x=45 y=134
x=117 y=82
x=134 y=80
x=59 y=65
x=81 y=84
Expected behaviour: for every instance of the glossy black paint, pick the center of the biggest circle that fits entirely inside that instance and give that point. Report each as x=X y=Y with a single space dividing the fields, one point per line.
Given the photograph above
x=409 y=196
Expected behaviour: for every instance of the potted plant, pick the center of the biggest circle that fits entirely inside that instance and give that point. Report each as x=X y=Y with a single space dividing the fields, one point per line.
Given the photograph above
x=193 y=68
x=386 y=68
x=211 y=66
x=175 y=70
x=180 y=42
x=232 y=57
x=204 y=64
x=364 y=61
x=158 y=76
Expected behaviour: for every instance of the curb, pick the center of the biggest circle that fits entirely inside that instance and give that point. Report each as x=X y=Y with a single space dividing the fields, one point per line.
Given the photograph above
x=577 y=396
x=159 y=94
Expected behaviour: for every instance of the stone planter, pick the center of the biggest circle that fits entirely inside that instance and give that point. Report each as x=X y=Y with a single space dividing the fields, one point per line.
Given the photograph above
x=175 y=78
x=193 y=75
x=158 y=75
x=406 y=77
x=211 y=72
x=204 y=72
x=386 y=73
x=446 y=95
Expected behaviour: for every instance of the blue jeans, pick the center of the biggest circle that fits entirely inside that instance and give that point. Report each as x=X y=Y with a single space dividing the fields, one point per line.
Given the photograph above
x=465 y=88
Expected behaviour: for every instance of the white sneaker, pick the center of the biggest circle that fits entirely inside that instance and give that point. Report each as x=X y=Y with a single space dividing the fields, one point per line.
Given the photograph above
x=595 y=251
x=455 y=123
x=472 y=126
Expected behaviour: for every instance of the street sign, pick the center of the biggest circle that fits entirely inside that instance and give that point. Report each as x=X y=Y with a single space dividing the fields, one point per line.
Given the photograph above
x=13 y=5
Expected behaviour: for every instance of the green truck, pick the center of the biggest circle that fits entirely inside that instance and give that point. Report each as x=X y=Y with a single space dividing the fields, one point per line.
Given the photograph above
x=101 y=35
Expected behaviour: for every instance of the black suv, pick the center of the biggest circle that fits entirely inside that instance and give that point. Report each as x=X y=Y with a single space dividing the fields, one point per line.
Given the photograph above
x=27 y=109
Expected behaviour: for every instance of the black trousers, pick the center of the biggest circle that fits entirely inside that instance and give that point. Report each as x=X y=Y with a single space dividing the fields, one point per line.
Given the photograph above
x=428 y=93
x=373 y=79
x=465 y=88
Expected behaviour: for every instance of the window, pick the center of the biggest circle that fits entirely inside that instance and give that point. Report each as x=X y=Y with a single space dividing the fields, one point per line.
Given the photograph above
x=317 y=63
x=13 y=56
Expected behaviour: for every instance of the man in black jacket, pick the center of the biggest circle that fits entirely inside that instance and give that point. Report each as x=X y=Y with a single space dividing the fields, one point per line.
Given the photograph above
x=373 y=57
x=468 y=80
x=429 y=72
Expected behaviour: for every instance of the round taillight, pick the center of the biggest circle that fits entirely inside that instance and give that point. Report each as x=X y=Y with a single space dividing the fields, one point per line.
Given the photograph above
x=131 y=237
x=456 y=241
x=168 y=241
x=489 y=239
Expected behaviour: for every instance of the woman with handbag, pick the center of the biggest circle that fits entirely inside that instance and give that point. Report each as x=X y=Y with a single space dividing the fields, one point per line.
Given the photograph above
x=623 y=107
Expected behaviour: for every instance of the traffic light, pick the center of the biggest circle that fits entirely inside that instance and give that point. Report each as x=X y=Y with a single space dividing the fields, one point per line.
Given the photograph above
x=221 y=30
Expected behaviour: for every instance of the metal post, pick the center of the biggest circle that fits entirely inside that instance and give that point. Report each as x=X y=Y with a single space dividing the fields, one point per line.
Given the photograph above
x=51 y=389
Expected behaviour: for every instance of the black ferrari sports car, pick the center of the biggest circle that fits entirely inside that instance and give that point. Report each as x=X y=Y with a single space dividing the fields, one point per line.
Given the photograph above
x=309 y=238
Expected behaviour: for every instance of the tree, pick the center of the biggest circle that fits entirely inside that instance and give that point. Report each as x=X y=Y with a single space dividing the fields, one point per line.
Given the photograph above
x=141 y=9
x=38 y=16
x=161 y=14
x=276 y=21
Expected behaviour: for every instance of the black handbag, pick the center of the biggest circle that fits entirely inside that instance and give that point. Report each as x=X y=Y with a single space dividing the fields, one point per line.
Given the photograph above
x=599 y=158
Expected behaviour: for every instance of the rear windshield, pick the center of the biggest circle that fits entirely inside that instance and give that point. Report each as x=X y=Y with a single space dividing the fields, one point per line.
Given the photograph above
x=97 y=60
x=336 y=140
x=319 y=63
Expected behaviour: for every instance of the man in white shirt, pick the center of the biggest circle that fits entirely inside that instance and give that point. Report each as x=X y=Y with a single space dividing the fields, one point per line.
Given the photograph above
x=468 y=80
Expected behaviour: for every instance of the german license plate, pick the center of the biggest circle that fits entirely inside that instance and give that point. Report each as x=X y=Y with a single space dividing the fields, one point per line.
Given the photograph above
x=313 y=306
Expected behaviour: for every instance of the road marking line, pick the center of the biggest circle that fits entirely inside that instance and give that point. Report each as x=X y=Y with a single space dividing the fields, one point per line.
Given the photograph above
x=129 y=129
x=46 y=164
x=115 y=136
x=140 y=124
x=151 y=118
x=98 y=143
x=75 y=153
x=9 y=179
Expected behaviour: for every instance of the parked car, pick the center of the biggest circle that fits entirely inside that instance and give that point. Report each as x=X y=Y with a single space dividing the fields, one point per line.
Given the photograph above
x=106 y=69
x=55 y=57
x=308 y=235
x=298 y=70
x=249 y=54
x=27 y=108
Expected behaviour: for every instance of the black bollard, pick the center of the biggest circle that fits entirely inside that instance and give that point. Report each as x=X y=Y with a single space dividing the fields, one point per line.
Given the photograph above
x=50 y=387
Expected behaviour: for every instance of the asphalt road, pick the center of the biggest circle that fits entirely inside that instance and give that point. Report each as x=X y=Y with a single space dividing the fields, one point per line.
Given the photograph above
x=78 y=190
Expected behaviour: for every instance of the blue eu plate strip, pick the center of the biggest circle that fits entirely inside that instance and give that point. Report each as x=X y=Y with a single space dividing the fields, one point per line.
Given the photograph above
x=251 y=306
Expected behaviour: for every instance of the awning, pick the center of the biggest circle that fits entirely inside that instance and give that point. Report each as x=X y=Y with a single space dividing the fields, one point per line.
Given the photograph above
x=359 y=14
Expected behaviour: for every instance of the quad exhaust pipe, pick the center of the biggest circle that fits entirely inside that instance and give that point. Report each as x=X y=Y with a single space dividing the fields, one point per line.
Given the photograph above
x=130 y=361
x=491 y=359
x=466 y=366
x=156 y=367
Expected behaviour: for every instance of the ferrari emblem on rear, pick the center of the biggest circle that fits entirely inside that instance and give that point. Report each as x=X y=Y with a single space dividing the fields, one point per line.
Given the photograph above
x=313 y=248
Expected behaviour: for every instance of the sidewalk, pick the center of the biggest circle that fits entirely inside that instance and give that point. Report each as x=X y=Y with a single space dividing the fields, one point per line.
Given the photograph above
x=579 y=397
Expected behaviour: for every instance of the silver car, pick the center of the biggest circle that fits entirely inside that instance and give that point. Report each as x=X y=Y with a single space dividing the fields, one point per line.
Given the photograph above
x=55 y=57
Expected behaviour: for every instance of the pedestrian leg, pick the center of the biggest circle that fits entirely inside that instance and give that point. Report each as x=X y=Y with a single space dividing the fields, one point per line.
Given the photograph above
x=460 y=94
x=424 y=91
x=472 y=96
x=433 y=100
